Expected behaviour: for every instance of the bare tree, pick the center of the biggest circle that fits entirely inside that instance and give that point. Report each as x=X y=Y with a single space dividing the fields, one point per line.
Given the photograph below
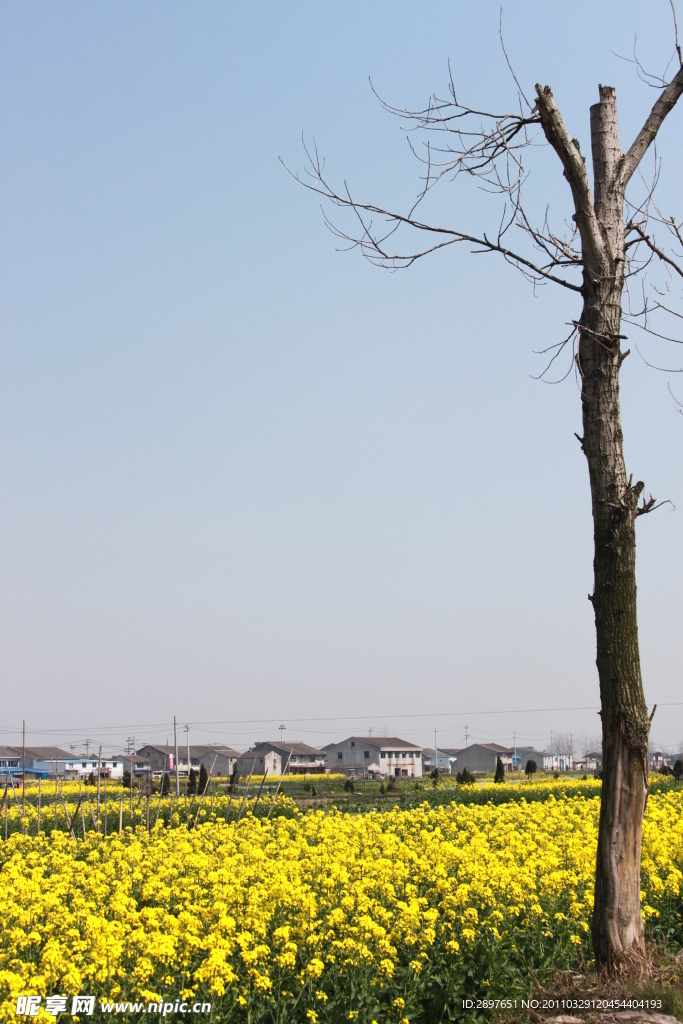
x=608 y=242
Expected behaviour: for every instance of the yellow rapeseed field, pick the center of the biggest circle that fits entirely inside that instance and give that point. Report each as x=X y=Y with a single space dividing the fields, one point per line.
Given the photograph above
x=321 y=916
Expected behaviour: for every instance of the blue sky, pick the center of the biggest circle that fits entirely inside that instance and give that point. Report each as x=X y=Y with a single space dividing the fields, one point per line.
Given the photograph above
x=246 y=477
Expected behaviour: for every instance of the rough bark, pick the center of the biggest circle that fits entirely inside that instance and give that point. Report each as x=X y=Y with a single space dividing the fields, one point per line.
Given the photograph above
x=617 y=920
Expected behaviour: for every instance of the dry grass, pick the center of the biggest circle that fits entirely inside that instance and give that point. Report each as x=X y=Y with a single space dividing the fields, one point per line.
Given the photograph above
x=658 y=975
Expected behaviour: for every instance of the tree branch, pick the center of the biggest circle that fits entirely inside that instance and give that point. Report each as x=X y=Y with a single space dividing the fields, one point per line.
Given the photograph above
x=656 y=250
x=647 y=134
x=574 y=171
x=372 y=245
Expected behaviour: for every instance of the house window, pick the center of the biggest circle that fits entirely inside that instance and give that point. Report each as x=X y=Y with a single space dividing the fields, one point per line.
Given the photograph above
x=366 y=753
x=383 y=753
x=417 y=757
x=404 y=754
x=353 y=743
x=339 y=755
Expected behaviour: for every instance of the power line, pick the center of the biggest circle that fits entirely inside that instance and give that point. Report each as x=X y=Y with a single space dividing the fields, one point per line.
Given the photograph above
x=154 y=726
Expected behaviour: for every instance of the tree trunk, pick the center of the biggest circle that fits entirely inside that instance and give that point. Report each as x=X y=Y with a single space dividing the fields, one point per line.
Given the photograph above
x=617 y=919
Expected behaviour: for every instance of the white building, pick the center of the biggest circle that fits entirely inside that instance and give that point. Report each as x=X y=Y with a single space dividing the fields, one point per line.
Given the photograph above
x=375 y=755
x=82 y=767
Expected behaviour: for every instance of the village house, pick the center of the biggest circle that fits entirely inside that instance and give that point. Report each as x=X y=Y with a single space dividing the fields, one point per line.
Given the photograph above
x=10 y=763
x=41 y=762
x=273 y=756
x=445 y=761
x=380 y=755
x=162 y=758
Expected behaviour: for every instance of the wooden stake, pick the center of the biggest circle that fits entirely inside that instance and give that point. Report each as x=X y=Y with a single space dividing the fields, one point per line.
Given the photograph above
x=99 y=771
x=161 y=788
x=80 y=804
x=39 y=801
x=69 y=824
x=196 y=817
x=244 y=798
x=121 y=815
x=92 y=813
x=105 y=805
x=23 y=774
x=270 y=810
x=259 y=790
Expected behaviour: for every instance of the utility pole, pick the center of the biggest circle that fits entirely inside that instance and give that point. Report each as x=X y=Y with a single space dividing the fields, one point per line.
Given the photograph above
x=370 y=732
x=552 y=752
x=187 y=730
x=514 y=759
x=436 y=756
x=177 y=775
x=282 y=729
x=465 y=741
x=23 y=772
x=87 y=749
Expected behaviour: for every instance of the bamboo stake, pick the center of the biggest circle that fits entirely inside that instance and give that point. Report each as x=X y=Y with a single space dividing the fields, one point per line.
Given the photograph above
x=208 y=781
x=259 y=790
x=23 y=775
x=121 y=815
x=149 y=787
x=161 y=788
x=246 y=792
x=18 y=804
x=5 y=803
x=99 y=771
x=80 y=804
x=39 y=802
x=105 y=805
x=55 y=800
x=270 y=810
x=66 y=813
x=227 y=813
x=92 y=813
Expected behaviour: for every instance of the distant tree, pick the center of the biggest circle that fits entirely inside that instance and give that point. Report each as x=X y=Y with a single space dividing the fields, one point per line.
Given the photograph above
x=531 y=767
x=381 y=787
x=500 y=772
x=665 y=770
x=348 y=786
x=678 y=770
x=464 y=778
x=166 y=783
x=126 y=779
x=234 y=779
x=192 y=783
x=203 y=779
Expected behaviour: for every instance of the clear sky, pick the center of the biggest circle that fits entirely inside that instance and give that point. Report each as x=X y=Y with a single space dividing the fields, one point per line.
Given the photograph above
x=246 y=479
